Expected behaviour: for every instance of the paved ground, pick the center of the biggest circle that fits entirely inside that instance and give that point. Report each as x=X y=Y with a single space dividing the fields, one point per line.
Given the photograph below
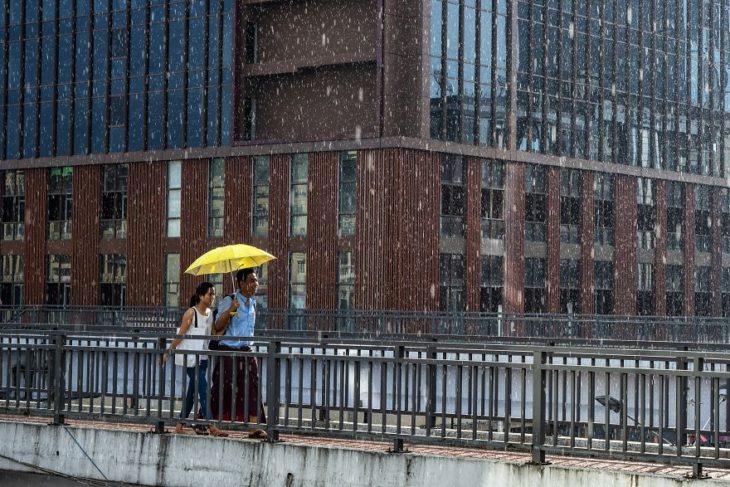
x=508 y=457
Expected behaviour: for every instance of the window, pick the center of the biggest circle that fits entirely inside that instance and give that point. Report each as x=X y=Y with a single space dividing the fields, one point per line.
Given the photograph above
x=114 y=201
x=347 y=196
x=251 y=41
x=726 y=291
x=702 y=291
x=603 y=208
x=217 y=281
x=345 y=280
x=645 y=214
x=174 y=194
x=603 y=283
x=453 y=196
x=703 y=220
x=216 y=196
x=451 y=280
x=58 y=280
x=534 y=285
x=725 y=203
x=262 y=292
x=570 y=286
x=492 y=200
x=11 y=280
x=298 y=195
x=13 y=211
x=172 y=280
x=675 y=215
x=492 y=284
x=297 y=280
x=113 y=279
x=570 y=206
x=261 y=196
x=249 y=118
x=535 y=203
x=59 y=203
x=675 y=290
x=645 y=290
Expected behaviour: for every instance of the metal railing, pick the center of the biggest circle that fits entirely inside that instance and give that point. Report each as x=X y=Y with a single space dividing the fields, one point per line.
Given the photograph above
x=661 y=405
x=378 y=323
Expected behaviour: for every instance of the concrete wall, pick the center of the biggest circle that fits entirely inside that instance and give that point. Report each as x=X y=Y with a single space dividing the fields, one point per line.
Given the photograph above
x=167 y=460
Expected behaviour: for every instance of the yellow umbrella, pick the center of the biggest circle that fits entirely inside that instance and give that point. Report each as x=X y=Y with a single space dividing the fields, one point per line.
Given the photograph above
x=228 y=259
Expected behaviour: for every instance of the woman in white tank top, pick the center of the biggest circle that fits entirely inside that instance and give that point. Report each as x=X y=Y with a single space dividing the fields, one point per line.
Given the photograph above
x=196 y=322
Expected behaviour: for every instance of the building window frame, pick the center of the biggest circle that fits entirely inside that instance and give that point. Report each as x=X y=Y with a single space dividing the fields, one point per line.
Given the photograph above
x=174 y=198
x=172 y=280
x=492 y=200
x=603 y=282
x=345 y=280
x=299 y=189
x=58 y=280
x=453 y=196
x=645 y=214
x=451 y=282
x=535 y=285
x=297 y=280
x=570 y=206
x=347 y=193
x=603 y=209
x=13 y=205
x=112 y=279
x=11 y=280
x=535 y=203
x=60 y=203
x=570 y=270
x=260 y=213
x=216 y=196
x=491 y=292
x=703 y=231
x=113 y=220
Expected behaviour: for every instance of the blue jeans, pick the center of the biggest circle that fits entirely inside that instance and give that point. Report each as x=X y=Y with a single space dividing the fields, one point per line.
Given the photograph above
x=202 y=390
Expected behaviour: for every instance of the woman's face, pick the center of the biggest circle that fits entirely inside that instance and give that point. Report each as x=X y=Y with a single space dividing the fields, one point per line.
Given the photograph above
x=209 y=297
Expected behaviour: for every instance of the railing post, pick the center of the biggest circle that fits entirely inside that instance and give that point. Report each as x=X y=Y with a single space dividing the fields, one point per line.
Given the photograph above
x=57 y=388
x=430 y=389
x=160 y=424
x=400 y=352
x=273 y=372
x=538 y=407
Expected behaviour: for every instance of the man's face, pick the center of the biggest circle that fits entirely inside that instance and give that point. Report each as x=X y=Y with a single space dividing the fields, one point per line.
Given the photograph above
x=249 y=285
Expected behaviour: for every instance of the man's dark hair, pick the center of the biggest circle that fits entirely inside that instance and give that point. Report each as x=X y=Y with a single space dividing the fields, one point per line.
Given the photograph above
x=243 y=274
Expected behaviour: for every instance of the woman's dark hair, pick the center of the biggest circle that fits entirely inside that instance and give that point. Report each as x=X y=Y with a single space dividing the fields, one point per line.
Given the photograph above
x=201 y=290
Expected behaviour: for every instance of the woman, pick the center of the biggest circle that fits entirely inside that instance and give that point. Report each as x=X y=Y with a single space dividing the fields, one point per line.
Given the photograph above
x=197 y=321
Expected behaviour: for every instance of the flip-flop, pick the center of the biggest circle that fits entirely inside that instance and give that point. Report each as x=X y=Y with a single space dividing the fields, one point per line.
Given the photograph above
x=201 y=430
x=258 y=435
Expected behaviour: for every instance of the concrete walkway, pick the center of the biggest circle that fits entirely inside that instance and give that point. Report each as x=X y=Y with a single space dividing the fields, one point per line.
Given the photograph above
x=131 y=453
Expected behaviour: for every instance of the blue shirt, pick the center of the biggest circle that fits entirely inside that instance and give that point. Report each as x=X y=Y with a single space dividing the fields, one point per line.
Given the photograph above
x=240 y=324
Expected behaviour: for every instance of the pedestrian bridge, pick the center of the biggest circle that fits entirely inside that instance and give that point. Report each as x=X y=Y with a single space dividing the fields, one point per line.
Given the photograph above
x=539 y=398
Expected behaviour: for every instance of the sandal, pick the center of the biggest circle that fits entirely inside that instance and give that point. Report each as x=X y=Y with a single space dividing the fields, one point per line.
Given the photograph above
x=179 y=429
x=258 y=434
x=201 y=429
x=217 y=432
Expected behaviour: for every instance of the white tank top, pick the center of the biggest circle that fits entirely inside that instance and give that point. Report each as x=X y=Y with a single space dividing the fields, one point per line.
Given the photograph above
x=205 y=323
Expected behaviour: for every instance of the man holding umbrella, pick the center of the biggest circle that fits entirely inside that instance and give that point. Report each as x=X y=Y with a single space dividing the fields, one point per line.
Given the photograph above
x=236 y=318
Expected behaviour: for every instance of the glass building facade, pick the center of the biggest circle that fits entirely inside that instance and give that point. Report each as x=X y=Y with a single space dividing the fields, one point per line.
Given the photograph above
x=636 y=82
x=96 y=76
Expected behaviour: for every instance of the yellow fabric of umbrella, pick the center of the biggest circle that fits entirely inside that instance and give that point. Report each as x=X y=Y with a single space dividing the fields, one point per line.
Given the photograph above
x=228 y=258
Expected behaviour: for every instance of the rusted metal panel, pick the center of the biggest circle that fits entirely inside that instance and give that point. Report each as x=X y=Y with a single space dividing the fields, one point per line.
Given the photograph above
x=660 y=252
x=193 y=221
x=716 y=246
x=587 y=234
x=624 y=258
x=322 y=230
x=146 y=233
x=86 y=234
x=369 y=229
x=552 y=278
x=472 y=268
x=689 y=249
x=514 y=240
x=278 y=231
x=34 y=263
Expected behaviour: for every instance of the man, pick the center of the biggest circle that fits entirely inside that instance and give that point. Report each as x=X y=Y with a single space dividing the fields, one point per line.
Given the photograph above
x=237 y=318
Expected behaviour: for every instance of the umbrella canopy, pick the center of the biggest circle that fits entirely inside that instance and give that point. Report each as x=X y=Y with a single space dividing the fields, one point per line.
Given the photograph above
x=228 y=259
